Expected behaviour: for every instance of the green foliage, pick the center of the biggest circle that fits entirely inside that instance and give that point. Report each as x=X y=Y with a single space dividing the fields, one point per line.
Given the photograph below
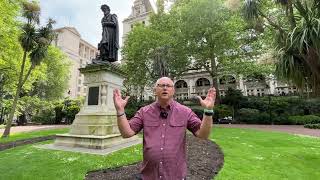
x=295 y=33
x=312 y=126
x=307 y=119
x=191 y=35
x=55 y=70
x=71 y=108
x=221 y=111
x=46 y=116
x=253 y=116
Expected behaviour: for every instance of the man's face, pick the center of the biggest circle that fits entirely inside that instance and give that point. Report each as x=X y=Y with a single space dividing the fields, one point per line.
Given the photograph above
x=106 y=11
x=164 y=89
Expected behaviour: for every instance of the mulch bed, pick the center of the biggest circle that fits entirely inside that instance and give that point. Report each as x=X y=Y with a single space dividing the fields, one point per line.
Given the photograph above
x=205 y=159
x=8 y=145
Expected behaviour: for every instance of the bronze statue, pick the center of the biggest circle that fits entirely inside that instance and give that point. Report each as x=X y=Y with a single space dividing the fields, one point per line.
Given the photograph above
x=109 y=43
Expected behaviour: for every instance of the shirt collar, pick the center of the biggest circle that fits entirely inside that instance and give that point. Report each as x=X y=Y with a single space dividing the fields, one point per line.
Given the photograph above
x=169 y=107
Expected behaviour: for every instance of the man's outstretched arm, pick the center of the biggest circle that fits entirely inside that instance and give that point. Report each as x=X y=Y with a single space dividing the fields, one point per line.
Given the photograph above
x=123 y=124
x=206 y=123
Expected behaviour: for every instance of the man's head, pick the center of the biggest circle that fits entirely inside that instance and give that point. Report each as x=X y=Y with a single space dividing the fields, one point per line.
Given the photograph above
x=106 y=9
x=164 y=89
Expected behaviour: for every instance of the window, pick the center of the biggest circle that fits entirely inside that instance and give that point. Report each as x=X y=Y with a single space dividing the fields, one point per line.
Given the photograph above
x=203 y=82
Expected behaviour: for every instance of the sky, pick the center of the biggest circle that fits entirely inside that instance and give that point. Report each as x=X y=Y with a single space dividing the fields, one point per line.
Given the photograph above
x=85 y=15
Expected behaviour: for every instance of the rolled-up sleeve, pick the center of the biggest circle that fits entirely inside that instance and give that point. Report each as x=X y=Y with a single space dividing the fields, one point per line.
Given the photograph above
x=136 y=122
x=193 y=123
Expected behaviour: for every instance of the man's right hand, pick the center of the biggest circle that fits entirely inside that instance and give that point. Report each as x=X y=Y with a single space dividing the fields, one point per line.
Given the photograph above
x=119 y=103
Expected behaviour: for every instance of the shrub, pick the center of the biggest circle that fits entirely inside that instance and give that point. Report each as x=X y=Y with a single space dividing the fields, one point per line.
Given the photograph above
x=71 y=112
x=312 y=126
x=46 y=116
x=198 y=111
x=221 y=111
x=307 y=119
x=59 y=114
x=253 y=116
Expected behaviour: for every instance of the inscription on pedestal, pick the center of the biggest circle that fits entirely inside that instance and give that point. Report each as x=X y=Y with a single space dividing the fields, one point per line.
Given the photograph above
x=93 y=97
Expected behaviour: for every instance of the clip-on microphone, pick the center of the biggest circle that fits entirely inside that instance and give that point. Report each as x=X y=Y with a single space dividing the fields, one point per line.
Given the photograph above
x=163 y=114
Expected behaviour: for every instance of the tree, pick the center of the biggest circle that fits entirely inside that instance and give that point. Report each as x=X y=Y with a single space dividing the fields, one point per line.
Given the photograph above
x=295 y=25
x=34 y=42
x=233 y=98
x=194 y=34
x=53 y=81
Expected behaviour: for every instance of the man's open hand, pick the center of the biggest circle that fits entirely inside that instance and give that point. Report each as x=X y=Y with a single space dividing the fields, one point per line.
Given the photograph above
x=208 y=102
x=119 y=103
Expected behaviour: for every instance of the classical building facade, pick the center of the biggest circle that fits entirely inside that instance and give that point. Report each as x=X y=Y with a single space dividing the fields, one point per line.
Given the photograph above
x=198 y=82
x=80 y=53
x=140 y=13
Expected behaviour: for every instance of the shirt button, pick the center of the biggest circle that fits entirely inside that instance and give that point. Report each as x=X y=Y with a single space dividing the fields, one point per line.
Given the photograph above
x=160 y=162
x=162 y=136
x=160 y=177
x=163 y=124
x=161 y=149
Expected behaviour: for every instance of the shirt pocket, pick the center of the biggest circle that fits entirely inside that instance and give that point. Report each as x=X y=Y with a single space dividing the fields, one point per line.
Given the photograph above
x=151 y=123
x=176 y=123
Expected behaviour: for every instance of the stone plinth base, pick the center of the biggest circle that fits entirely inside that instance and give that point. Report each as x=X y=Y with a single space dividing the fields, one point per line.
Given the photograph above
x=95 y=126
x=91 y=141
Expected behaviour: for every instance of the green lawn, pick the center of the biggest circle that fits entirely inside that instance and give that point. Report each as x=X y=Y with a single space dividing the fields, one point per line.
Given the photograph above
x=253 y=154
x=249 y=154
x=26 y=135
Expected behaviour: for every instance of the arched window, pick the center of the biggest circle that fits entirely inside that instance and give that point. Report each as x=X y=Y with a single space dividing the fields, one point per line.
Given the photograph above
x=180 y=84
x=227 y=80
x=202 y=82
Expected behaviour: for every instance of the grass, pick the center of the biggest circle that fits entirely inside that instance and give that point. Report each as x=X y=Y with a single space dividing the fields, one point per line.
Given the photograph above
x=249 y=154
x=27 y=135
x=252 y=154
x=29 y=163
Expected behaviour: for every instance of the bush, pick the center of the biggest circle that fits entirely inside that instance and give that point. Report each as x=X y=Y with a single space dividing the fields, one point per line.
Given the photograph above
x=46 y=116
x=198 y=111
x=130 y=112
x=71 y=112
x=307 y=119
x=253 y=116
x=312 y=126
x=59 y=113
x=221 y=111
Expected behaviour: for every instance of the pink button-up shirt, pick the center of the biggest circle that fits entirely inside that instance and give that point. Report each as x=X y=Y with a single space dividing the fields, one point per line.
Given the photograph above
x=164 y=140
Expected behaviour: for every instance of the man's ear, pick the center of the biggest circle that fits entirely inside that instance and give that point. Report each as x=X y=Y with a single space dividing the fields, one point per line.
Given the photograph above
x=154 y=91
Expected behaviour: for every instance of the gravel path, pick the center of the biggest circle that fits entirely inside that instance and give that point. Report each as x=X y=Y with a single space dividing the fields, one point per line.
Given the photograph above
x=16 y=129
x=293 y=129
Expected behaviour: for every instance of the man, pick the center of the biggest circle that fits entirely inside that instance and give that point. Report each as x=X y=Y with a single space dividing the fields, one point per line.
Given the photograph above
x=109 y=43
x=164 y=125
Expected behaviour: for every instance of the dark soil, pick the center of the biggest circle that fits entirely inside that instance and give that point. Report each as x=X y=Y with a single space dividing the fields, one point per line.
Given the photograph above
x=8 y=145
x=205 y=159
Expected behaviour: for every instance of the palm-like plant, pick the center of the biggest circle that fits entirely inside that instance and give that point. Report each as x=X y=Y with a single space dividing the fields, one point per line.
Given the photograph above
x=299 y=41
x=35 y=42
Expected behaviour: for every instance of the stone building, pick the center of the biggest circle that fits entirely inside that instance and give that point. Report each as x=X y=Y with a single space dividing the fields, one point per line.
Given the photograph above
x=80 y=53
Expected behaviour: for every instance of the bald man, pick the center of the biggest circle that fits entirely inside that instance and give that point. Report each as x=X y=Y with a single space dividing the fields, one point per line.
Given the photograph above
x=164 y=125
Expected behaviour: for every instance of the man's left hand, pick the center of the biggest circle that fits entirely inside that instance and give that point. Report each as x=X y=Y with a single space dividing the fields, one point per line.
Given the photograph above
x=208 y=102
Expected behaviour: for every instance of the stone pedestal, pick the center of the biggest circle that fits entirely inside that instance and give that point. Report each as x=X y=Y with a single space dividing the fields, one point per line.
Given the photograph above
x=95 y=126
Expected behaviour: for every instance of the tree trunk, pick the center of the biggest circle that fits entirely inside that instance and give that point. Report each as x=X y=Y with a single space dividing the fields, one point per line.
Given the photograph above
x=6 y=132
x=215 y=79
